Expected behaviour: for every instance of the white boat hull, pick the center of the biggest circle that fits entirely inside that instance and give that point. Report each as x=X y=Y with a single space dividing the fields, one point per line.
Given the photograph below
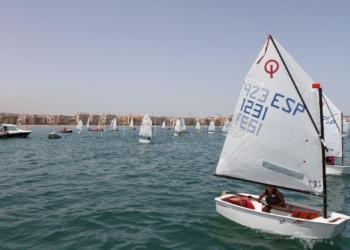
x=318 y=228
x=144 y=141
x=177 y=134
x=210 y=132
x=337 y=169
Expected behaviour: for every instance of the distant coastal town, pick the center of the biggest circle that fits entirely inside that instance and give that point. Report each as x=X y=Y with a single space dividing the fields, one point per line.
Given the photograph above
x=103 y=119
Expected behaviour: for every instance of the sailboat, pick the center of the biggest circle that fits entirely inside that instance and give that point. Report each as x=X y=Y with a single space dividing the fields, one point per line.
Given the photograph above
x=163 y=125
x=177 y=128
x=87 y=125
x=198 y=127
x=131 y=125
x=98 y=128
x=227 y=124
x=80 y=127
x=276 y=138
x=146 y=130
x=113 y=125
x=211 y=128
x=334 y=137
x=183 y=125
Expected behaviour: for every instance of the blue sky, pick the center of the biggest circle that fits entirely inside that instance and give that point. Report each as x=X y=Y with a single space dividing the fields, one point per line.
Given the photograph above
x=158 y=56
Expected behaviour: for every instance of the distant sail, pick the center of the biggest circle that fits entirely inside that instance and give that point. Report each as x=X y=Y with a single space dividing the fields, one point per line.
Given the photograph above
x=211 y=127
x=146 y=127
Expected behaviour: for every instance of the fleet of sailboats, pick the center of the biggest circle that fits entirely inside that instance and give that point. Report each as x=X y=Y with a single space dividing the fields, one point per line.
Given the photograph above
x=277 y=138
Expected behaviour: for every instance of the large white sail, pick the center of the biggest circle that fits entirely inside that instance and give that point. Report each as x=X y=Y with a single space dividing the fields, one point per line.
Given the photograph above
x=273 y=139
x=332 y=128
x=211 y=127
x=80 y=125
x=131 y=125
x=198 y=126
x=146 y=127
x=177 y=126
x=163 y=126
x=227 y=124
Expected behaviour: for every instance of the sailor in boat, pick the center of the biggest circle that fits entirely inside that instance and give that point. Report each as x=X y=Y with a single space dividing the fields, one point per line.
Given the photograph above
x=149 y=138
x=274 y=199
x=329 y=160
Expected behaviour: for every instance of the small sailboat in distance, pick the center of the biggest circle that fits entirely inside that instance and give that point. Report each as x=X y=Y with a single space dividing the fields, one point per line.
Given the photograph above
x=131 y=125
x=87 y=125
x=211 y=128
x=276 y=139
x=177 y=129
x=163 y=125
x=113 y=125
x=80 y=127
x=227 y=124
x=198 y=127
x=146 y=130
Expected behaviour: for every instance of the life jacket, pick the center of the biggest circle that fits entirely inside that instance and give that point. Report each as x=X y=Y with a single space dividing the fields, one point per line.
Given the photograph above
x=305 y=215
x=272 y=200
x=241 y=201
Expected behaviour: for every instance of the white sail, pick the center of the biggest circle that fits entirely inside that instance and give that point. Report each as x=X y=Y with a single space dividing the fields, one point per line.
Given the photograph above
x=177 y=126
x=163 y=126
x=211 y=127
x=198 y=126
x=332 y=128
x=272 y=139
x=146 y=127
x=131 y=125
x=87 y=124
x=227 y=124
x=80 y=125
x=345 y=127
x=182 y=124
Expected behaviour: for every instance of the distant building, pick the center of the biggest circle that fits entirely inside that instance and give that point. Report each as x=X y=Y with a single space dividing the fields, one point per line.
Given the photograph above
x=9 y=118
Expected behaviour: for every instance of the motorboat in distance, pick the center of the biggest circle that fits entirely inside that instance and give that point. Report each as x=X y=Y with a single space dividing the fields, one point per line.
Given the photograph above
x=54 y=135
x=66 y=130
x=10 y=131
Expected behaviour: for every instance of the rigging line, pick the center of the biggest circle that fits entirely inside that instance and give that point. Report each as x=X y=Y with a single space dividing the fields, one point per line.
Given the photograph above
x=332 y=115
x=296 y=88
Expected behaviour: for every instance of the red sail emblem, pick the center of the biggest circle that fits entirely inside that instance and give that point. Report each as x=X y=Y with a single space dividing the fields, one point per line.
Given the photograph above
x=271 y=67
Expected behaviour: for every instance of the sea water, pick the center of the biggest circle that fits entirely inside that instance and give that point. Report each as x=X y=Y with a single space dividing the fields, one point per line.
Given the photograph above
x=108 y=191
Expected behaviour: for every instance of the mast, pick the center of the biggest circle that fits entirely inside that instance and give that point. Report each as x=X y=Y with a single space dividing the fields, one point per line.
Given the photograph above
x=324 y=180
x=342 y=140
